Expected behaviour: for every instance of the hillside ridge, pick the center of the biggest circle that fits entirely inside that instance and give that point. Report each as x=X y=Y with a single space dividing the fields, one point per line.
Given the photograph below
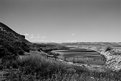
x=12 y=43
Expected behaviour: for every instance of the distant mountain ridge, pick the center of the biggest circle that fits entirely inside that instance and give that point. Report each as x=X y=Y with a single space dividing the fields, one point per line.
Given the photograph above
x=112 y=44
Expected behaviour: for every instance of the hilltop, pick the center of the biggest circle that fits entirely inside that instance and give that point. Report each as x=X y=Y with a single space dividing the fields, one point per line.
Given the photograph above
x=12 y=43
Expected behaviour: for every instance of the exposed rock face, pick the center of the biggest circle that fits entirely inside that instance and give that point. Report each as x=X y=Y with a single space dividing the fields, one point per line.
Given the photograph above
x=113 y=61
x=12 y=43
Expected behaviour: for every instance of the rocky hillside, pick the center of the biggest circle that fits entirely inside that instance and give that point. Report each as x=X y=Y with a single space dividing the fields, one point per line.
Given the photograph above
x=12 y=43
x=113 y=60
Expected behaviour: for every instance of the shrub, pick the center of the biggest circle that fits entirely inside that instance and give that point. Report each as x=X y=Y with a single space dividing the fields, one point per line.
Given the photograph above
x=25 y=47
x=108 y=48
x=2 y=51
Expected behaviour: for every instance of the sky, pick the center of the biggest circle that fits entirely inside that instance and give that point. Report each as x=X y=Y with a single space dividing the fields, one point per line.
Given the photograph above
x=64 y=20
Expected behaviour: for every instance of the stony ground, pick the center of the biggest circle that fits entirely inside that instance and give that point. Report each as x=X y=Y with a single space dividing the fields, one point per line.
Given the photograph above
x=113 y=61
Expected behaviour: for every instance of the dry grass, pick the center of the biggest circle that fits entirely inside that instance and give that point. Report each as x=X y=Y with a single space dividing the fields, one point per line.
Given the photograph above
x=36 y=67
x=86 y=60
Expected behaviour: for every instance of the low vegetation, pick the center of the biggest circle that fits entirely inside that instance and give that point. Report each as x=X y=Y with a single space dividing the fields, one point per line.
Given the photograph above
x=36 y=67
x=86 y=60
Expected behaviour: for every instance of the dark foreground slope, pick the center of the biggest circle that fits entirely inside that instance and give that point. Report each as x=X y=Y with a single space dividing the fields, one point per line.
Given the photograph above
x=12 y=43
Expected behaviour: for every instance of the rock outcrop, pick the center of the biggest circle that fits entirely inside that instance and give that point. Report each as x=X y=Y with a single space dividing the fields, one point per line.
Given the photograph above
x=113 y=61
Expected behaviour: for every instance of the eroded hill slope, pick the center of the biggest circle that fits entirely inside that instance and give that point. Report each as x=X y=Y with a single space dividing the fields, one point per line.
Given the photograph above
x=12 y=43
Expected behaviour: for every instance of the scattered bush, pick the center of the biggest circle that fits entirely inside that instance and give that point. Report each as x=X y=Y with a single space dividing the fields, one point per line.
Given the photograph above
x=108 y=48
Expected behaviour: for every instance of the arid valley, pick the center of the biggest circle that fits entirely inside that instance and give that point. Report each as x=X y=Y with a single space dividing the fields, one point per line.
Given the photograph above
x=22 y=60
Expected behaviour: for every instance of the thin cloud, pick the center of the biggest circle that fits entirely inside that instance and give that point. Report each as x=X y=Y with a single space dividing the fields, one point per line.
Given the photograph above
x=43 y=37
x=31 y=36
x=35 y=37
x=26 y=34
x=73 y=34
